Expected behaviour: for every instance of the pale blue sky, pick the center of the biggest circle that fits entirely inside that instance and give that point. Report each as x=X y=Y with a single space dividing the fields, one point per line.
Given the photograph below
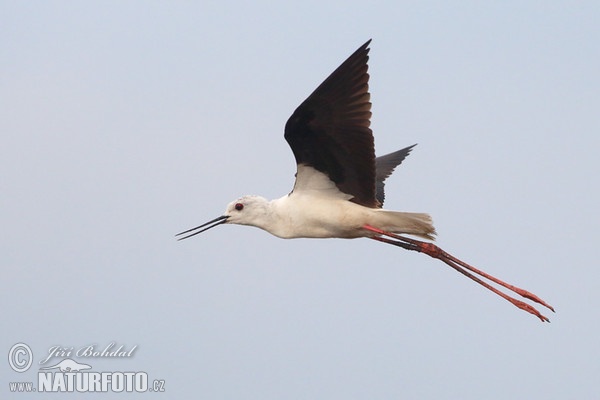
x=124 y=123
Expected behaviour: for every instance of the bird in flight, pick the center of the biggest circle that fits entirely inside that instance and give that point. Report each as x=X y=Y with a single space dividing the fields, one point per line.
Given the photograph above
x=339 y=188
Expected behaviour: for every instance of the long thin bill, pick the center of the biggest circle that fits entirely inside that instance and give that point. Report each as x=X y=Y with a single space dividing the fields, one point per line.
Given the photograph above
x=217 y=221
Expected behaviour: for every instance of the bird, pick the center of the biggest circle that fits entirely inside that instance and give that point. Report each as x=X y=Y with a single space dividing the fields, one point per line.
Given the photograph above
x=339 y=186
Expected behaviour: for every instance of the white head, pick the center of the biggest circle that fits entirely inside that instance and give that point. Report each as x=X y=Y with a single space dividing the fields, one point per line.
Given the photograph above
x=247 y=210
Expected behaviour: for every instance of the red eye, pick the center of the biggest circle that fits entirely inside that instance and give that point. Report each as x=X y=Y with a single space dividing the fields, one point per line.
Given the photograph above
x=239 y=206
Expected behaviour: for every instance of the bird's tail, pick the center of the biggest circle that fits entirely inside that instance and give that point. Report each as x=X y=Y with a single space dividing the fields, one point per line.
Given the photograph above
x=418 y=224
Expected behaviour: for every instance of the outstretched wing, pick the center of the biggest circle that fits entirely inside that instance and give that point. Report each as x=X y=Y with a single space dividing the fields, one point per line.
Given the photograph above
x=384 y=166
x=330 y=130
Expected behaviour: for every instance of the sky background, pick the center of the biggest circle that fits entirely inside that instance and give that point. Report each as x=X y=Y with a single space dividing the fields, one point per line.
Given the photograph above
x=124 y=123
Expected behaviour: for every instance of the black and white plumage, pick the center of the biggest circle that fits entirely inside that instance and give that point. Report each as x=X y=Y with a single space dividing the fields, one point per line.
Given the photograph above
x=339 y=185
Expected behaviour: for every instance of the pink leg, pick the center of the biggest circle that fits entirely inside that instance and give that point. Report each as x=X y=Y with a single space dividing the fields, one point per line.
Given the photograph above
x=434 y=251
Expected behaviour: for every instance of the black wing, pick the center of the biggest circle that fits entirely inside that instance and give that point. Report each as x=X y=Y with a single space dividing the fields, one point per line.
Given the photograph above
x=330 y=130
x=384 y=166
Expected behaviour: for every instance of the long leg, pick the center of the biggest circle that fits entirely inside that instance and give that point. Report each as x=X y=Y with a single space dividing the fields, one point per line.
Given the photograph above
x=434 y=251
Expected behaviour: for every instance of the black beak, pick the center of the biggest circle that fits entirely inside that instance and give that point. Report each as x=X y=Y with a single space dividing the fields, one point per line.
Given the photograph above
x=217 y=221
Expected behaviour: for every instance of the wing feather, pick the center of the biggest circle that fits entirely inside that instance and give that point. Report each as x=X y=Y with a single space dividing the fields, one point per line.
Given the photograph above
x=330 y=130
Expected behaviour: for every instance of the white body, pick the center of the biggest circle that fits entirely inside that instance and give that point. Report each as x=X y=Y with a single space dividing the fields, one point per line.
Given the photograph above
x=317 y=209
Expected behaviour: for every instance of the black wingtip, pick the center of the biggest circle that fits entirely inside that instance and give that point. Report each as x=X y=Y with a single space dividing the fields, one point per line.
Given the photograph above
x=329 y=131
x=364 y=47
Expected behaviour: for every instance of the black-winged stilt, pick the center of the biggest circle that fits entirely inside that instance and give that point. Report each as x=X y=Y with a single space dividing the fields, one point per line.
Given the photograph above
x=338 y=191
